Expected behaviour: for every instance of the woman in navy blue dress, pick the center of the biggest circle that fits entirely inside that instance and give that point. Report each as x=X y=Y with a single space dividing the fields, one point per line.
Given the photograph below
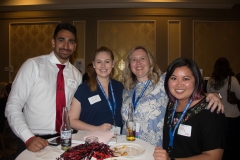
x=97 y=103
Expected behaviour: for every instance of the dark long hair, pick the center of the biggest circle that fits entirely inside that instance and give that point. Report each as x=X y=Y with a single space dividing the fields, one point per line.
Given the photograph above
x=198 y=87
x=221 y=71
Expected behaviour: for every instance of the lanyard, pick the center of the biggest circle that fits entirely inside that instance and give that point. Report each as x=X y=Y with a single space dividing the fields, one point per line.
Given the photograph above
x=140 y=96
x=172 y=132
x=112 y=109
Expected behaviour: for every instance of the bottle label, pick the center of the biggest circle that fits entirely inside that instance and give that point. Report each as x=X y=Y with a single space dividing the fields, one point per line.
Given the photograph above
x=66 y=139
x=130 y=125
x=66 y=134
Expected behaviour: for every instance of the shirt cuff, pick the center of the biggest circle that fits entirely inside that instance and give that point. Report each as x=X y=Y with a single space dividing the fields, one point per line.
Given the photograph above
x=25 y=135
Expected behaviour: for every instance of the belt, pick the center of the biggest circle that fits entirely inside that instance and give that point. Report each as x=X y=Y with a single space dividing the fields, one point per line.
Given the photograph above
x=48 y=136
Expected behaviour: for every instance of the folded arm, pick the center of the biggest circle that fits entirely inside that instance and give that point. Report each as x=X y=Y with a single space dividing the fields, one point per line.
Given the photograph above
x=75 y=123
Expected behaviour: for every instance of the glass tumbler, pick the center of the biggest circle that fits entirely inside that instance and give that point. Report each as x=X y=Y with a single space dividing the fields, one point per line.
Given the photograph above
x=91 y=139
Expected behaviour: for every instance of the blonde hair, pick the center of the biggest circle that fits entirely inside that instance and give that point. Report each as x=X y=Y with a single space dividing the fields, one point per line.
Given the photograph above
x=92 y=83
x=130 y=79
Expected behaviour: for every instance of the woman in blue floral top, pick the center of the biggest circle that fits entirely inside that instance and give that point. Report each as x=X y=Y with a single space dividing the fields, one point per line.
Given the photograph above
x=144 y=88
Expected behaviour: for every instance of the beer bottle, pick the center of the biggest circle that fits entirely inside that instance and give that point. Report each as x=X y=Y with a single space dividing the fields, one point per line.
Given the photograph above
x=66 y=131
x=130 y=124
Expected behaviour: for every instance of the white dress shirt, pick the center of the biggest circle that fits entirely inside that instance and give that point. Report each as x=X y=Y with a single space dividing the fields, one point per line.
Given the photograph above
x=31 y=106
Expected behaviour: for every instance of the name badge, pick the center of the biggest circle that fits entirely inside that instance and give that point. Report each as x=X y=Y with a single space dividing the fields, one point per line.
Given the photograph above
x=72 y=83
x=116 y=130
x=185 y=130
x=94 y=99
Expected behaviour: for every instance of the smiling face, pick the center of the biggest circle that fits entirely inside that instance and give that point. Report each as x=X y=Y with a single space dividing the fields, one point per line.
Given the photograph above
x=64 y=45
x=103 y=64
x=181 y=83
x=140 y=64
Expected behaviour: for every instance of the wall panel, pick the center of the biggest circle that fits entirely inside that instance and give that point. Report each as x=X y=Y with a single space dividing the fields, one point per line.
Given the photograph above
x=28 y=40
x=213 y=40
x=174 y=40
x=122 y=36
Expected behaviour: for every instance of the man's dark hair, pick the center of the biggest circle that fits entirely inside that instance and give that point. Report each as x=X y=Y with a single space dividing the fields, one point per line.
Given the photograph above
x=65 y=26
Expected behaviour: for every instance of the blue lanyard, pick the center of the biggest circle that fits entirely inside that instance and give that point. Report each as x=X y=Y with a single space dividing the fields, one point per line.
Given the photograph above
x=109 y=103
x=172 y=132
x=140 y=96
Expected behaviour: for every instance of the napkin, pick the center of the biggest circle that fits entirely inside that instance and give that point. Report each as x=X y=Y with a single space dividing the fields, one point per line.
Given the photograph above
x=80 y=136
x=48 y=153
x=103 y=136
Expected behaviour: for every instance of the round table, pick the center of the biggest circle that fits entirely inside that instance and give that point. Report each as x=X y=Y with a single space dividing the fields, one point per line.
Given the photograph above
x=52 y=152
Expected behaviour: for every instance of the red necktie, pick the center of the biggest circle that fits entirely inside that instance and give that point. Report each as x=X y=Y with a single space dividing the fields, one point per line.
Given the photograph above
x=60 y=97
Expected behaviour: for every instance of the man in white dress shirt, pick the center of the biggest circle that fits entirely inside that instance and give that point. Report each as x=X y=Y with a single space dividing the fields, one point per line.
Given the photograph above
x=31 y=107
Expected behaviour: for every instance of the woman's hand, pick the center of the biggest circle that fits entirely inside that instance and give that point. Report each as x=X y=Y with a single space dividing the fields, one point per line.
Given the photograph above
x=105 y=127
x=160 y=154
x=214 y=102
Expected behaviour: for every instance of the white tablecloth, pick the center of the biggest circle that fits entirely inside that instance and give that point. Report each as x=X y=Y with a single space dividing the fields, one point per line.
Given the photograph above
x=51 y=152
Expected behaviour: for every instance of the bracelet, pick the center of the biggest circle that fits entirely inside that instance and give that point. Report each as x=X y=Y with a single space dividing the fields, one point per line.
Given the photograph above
x=27 y=142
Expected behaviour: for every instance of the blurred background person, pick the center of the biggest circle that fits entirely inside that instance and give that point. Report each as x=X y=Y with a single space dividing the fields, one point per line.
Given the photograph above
x=218 y=82
x=3 y=102
x=238 y=78
x=97 y=104
x=190 y=131
x=86 y=75
x=238 y=120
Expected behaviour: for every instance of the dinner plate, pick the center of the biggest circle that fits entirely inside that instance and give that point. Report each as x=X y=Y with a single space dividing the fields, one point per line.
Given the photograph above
x=128 y=150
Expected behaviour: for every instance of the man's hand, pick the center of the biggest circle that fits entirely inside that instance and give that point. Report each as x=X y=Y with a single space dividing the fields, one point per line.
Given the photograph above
x=36 y=144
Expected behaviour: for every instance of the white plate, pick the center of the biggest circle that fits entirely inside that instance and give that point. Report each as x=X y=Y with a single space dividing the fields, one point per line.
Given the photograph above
x=131 y=150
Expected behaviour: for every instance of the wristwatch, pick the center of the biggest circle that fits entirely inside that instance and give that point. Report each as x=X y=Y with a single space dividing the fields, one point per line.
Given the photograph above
x=220 y=96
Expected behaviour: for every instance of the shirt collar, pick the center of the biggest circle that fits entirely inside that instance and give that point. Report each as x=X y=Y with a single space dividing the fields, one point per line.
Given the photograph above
x=53 y=59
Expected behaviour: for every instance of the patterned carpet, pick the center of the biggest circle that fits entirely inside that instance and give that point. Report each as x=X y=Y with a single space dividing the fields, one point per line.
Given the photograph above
x=10 y=144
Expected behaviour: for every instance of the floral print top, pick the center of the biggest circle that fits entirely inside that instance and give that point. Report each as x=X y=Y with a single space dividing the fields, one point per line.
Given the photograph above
x=149 y=112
